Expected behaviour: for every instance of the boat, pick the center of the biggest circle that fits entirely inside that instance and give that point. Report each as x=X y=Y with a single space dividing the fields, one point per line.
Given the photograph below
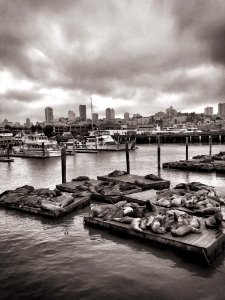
x=102 y=143
x=37 y=145
x=175 y=129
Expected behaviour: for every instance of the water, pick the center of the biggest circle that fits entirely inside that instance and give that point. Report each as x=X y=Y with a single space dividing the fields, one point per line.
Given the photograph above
x=65 y=259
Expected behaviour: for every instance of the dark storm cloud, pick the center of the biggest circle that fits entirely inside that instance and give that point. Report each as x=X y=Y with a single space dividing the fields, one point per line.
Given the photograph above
x=130 y=50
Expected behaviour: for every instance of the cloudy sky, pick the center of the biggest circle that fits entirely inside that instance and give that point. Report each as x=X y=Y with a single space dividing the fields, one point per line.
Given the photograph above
x=136 y=56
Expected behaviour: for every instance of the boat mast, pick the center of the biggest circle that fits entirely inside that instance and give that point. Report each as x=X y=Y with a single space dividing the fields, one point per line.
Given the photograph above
x=91 y=116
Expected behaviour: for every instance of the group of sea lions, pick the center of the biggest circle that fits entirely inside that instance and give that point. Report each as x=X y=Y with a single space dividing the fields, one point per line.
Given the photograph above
x=43 y=198
x=148 y=217
x=167 y=215
x=103 y=188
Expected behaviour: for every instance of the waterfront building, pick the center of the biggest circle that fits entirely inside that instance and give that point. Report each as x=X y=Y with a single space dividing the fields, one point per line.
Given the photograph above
x=49 y=115
x=28 y=124
x=208 y=111
x=112 y=114
x=71 y=115
x=94 y=117
x=82 y=110
x=221 y=109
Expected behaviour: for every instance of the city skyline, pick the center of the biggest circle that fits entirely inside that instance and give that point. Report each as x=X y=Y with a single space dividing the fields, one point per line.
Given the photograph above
x=133 y=56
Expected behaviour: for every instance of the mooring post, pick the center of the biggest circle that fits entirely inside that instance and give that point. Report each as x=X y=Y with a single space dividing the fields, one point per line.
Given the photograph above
x=43 y=148
x=127 y=158
x=63 y=164
x=210 y=145
x=8 y=148
x=73 y=146
x=159 y=152
x=96 y=145
x=186 y=147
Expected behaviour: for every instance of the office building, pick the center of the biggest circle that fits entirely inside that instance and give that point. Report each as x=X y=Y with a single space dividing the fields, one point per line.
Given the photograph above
x=28 y=122
x=49 y=115
x=94 y=117
x=110 y=114
x=221 y=109
x=208 y=111
x=82 y=110
x=126 y=116
x=71 y=115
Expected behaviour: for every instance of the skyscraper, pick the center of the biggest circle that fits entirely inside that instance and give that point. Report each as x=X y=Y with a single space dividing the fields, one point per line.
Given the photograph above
x=126 y=116
x=221 y=109
x=71 y=115
x=82 y=110
x=49 y=115
x=208 y=111
x=94 y=117
x=28 y=122
x=110 y=114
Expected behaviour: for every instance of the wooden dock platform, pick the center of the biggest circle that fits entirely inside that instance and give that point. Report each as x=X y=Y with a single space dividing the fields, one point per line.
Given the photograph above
x=207 y=245
x=78 y=203
x=141 y=197
x=196 y=165
x=71 y=188
x=130 y=178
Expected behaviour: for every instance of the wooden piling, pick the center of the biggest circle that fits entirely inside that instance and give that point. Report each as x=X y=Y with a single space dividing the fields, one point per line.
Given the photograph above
x=43 y=148
x=159 y=152
x=186 y=147
x=210 y=145
x=63 y=164
x=127 y=158
x=8 y=150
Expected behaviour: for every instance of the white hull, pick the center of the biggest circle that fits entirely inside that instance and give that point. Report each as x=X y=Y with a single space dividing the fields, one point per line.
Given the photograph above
x=37 y=153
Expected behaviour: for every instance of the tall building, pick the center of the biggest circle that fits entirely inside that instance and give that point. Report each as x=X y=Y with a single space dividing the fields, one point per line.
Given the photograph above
x=126 y=116
x=94 y=117
x=49 y=115
x=221 y=109
x=171 y=112
x=82 y=110
x=71 y=115
x=208 y=111
x=28 y=122
x=110 y=114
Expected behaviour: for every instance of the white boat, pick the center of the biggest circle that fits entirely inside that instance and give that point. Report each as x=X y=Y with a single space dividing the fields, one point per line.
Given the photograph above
x=103 y=143
x=37 y=145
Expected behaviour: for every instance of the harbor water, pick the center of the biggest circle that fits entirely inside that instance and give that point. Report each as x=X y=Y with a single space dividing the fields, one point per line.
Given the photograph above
x=66 y=259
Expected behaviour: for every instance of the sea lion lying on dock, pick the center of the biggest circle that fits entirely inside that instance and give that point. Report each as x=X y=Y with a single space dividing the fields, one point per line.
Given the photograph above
x=135 y=224
x=214 y=221
x=184 y=230
x=153 y=177
x=117 y=173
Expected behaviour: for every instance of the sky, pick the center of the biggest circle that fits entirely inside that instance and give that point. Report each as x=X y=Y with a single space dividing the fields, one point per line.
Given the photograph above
x=135 y=56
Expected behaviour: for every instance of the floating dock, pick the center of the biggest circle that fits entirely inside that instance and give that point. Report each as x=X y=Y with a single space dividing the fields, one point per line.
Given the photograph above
x=71 y=188
x=78 y=203
x=5 y=159
x=141 y=197
x=207 y=245
x=196 y=165
x=145 y=185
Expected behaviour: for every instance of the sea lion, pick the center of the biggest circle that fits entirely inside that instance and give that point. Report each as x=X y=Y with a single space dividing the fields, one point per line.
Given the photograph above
x=206 y=211
x=194 y=222
x=49 y=206
x=127 y=211
x=152 y=177
x=98 y=209
x=67 y=201
x=143 y=223
x=117 y=173
x=184 y=230
x=135 y=224
x=80 y=178
x=214 y=221
x=126 y=220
